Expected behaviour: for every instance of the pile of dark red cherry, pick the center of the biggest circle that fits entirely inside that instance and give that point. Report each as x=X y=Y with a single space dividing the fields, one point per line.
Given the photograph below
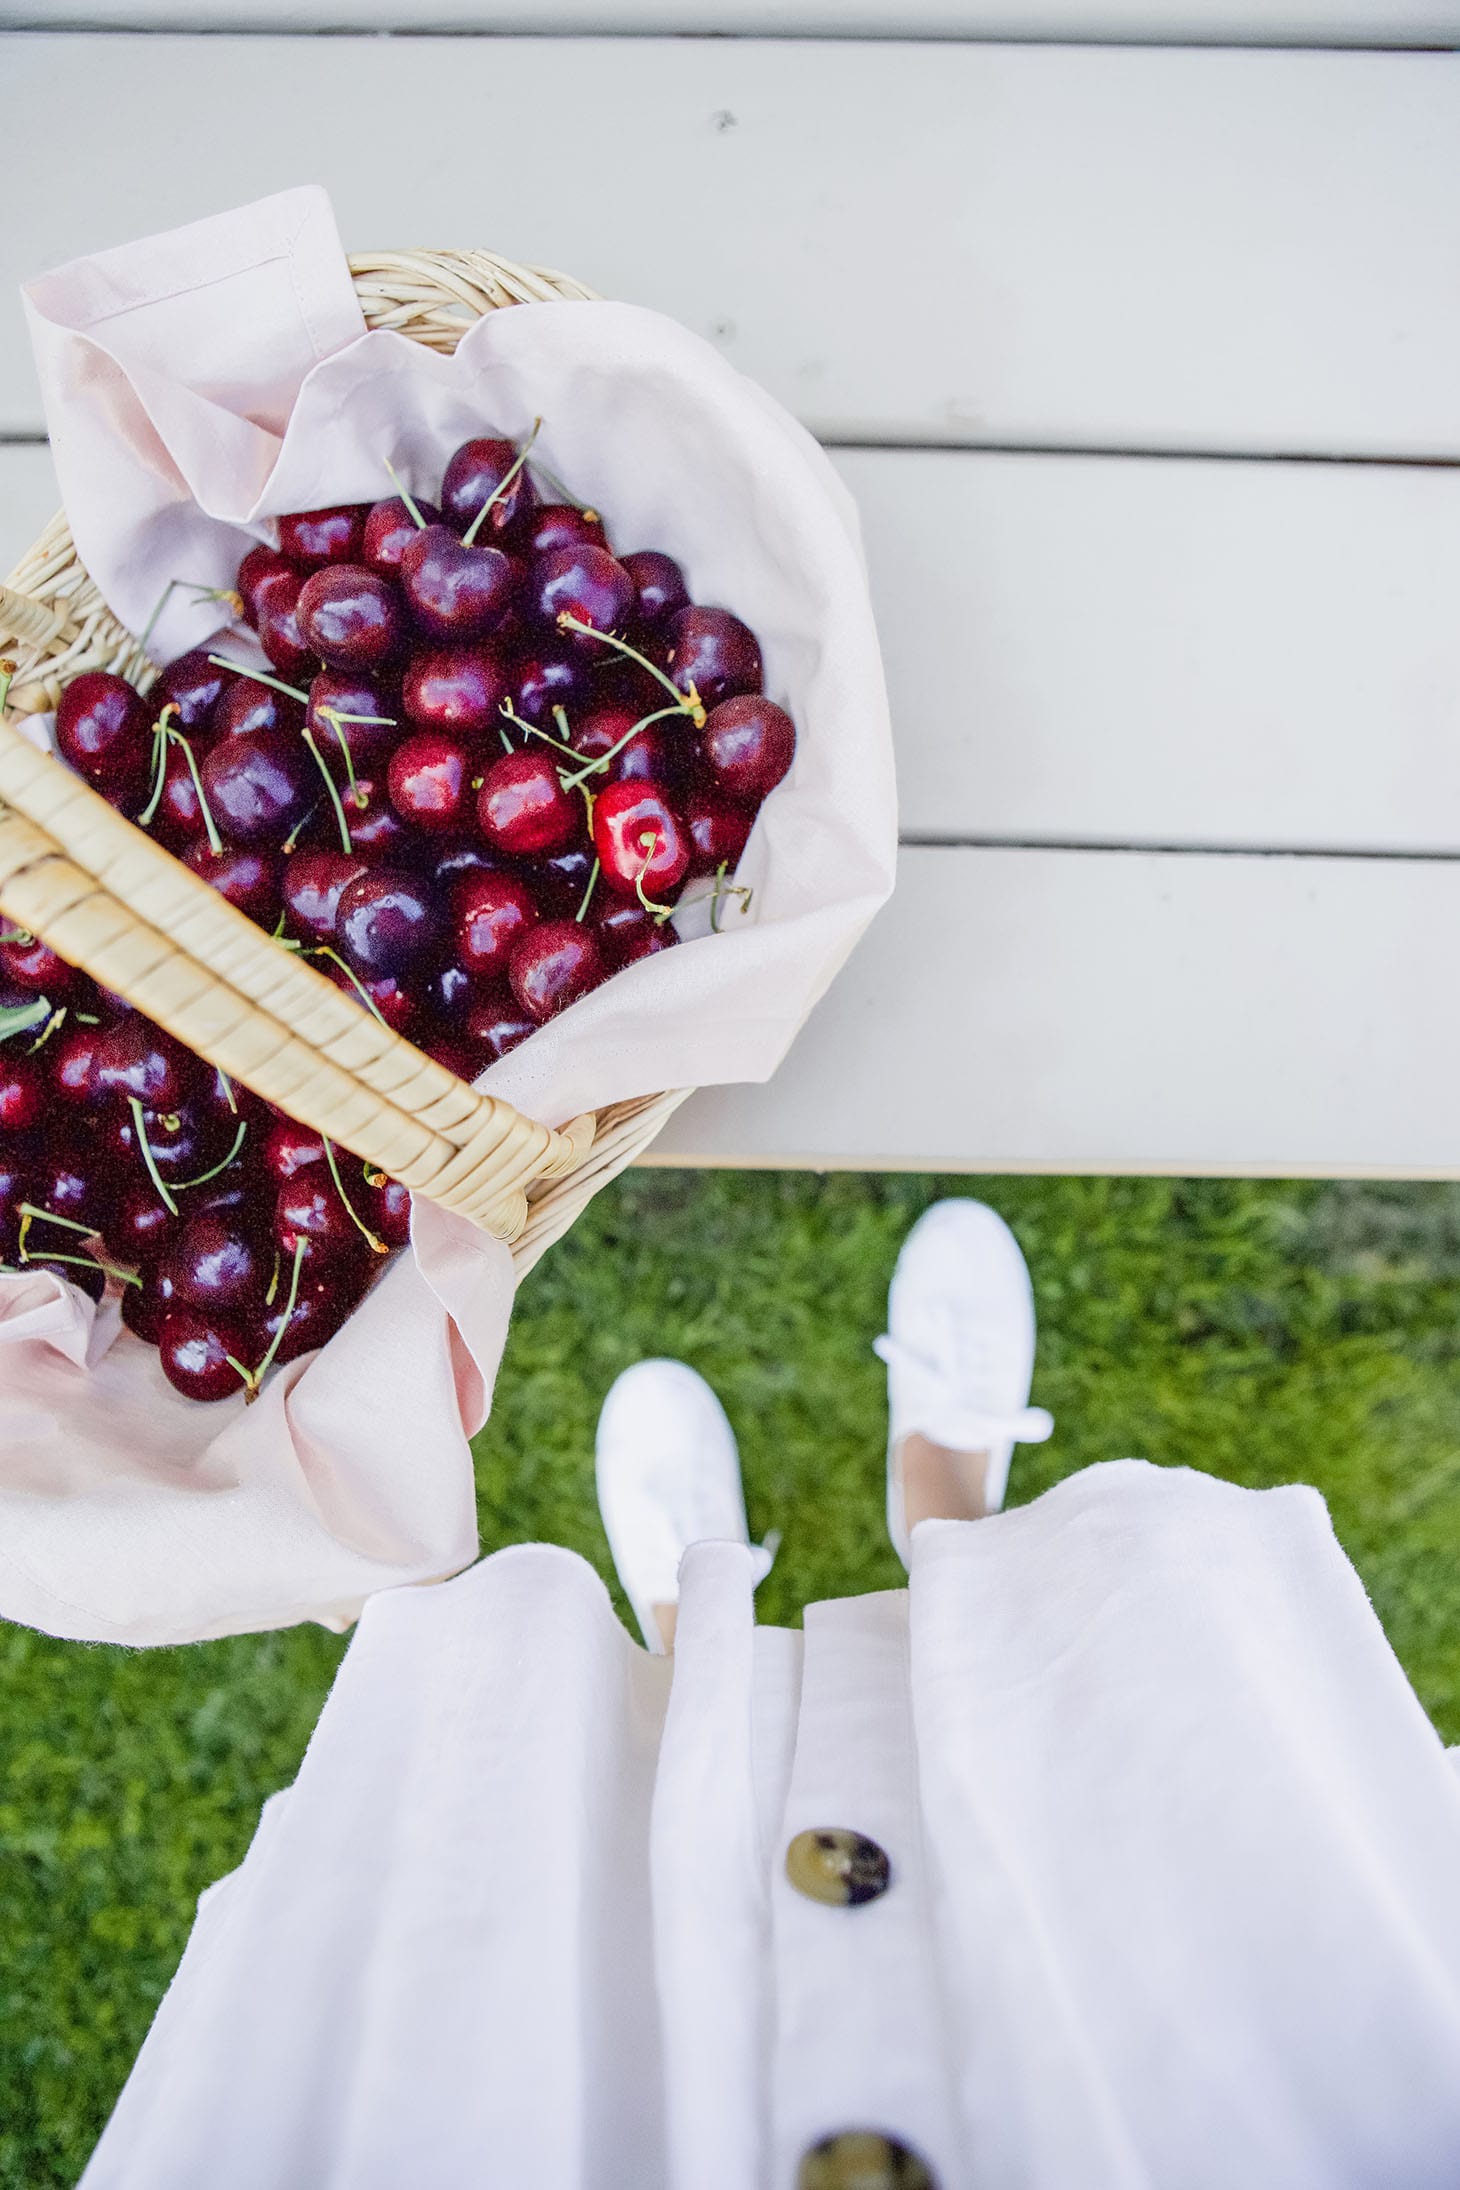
x=486 y=757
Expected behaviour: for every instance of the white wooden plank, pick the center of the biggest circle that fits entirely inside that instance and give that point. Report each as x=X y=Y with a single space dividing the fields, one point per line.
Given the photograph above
x=1124 y=1012
x=1103 y=650
x=1174 y=22
x=1046 y=245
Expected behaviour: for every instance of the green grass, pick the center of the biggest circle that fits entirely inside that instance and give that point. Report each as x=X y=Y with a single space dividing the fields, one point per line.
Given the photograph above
x=1266 y=1332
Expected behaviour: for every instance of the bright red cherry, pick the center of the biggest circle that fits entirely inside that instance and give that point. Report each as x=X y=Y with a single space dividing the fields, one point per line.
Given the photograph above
x=70 y=1060
x=248 y=879
x=748 y=744
x=265 y=573
x=658 y=583
x=554 y=964
x=714 y=652
x=22 y=1092
x=490 y=912
x=324 y=535
x=312 y=885
x=194 y=1350
x=104 y=731
x=246 y=707
x=585 y=583
x=310 y=1210
x=34 y=965
x=455 y=592
x=474 y=474
x=281 y=638
x=523 y=808
x=349 y=617
x=718 y=831
x=258 y=788
x=135 y=1059
x=386 y=922
x=458 y=689
x=639 y=840
x=389 y=530
x=429 y=780
x=192 y=686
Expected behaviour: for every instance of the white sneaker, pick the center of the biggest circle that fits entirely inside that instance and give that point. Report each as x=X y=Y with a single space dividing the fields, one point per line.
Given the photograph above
x=668 y=1477
x=959 y=1348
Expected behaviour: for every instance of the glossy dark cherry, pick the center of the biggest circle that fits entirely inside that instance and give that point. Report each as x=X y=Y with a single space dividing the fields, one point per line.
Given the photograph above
x=69 y=1060
x=714 y=652
x=554 y=964
x=283 y=641
x=639 y=840
x=455 y=592
x=386 y=1209
x=649 y=755
x=399 y=1002
x=473 y=476
x=626 y=932
x=584 y=582
x=522 y=806
x=310 y=1209
x=71 y=1182
x=264 y=574
x=246 y=707
x=178 y=815
x=350 y=617
x=562 y=525
x=312 y=883
x=389 y=530
x=194 y=1350
x=315 y=536
x=489 y=914
x=288 y=1149
x=320 y=1308
x=459 y=860
x=658 y=583
x=216 y=1267
x=35 y=966
x=104 y=731
x=377 y=833
x=348 y=710
x=184 y=1142
x=560 y=881
x=192 y=687
x=449 y=992
x=248 y=879
x=387 y=921
x=135 y=1059
x=429 y=780
x=457 y=689
x=718 y=831
x=540 y=682
x=748 y=744
x=258 y=788
x=142 y=1226
x=22 y=1091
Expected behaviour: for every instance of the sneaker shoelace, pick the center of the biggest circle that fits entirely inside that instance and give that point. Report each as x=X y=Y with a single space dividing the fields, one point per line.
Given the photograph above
x=949 y=1409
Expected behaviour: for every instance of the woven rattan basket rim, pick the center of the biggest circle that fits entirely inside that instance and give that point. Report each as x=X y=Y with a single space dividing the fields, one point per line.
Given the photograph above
x=448 y=1143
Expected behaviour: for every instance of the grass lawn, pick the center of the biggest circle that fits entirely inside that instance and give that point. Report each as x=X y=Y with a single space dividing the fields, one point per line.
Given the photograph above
x=1266 y=1332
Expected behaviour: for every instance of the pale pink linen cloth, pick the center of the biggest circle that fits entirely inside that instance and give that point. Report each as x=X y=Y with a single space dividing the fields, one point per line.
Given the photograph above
x=197 y=384
x=1175 y=1898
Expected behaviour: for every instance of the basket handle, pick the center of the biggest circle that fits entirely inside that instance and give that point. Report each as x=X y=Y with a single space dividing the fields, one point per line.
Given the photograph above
x=34 y=623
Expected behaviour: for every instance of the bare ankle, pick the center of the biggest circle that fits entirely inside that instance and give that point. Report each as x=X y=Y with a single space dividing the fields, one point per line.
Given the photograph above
x=939 y=1484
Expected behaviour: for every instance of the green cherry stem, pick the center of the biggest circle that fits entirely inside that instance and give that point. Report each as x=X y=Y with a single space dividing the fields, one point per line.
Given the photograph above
x=253 y=1378
x=20 y=1018
x=325 y=950
x=551 y=479
x=30 y=1209
x=404 y=492
x=7 y=678
x=530 y=730
x=469 y=536
x=347 y=842
x=588 y=893
x=593 y=767
x=222 y=594
x=376 y=1245
x=241 y=669
x=56 y=1020
x=86 y=1262
x=159 y=764
x=215 y=841
x=140 y=1123
x=649 y=843
x=685 y=703
x=185 y=1186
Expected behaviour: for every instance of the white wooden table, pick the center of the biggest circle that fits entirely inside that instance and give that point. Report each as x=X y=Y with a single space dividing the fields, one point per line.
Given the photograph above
x=1143 y=361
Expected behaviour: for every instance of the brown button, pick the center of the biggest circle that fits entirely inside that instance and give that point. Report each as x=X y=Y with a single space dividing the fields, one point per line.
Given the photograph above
x=833 y=1865
x=863 y=2159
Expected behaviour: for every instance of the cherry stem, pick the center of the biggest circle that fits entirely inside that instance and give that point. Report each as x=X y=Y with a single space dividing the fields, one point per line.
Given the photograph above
x=334 y=718
x=86 y=1262
x=148 y=1158
x=29 y=1209
x=374 y=1176
x=593 y=767
x=55 y=1020
x=290 y=841
x=225 y=594
x=273 y=1286
x=228 y=1091
x=551 y=479
x=185 y=1186
x=653 y=839
x=19 y=1018
x=503 y=484
x=159 y=764
x=588 y=893
x=404 y=492
x=325 y=950
x=726 y=889
x=686 y=703
x=376 y=1245
x=530 y=730
x=23 y=936
x=215 y=841
x=346 y=840
x=253 y=1378
x=259 y=676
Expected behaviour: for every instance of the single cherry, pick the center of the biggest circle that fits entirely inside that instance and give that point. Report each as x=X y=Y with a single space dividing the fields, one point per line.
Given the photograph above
x=387 y=921
x=386 y=1208
x=194 y=1351
x=540 y=682
x=22 y=1092
x=649 y=755
x=473 y=476
x=282 y=639
x=748 y=743
x=713 y=652
x=321 y=1306
x=639 y=840
x=246 y=707
x=496 y=1023
x=429 y=780
x=216 y=1267
x=554 y=964
x=459 y=861
x=258 y=788
x=489 y=913
x=350 y=617
x=455 y=592
x=354 y=713
x=248 y=879
x=264 y=574
x=626 y=932
x=523 y=808
x=310 y=1209
x=560 y=881
x=104 y=731
x=135 y=1060
x=69 y=1058
x=289 y=1149
x=584 y=582
x=389 y=530
x=33 y=965
x=562 y=525
x=457 y=689
x=192 y=686
x=449 y=992
x=377 y=832
x=324 y=535
x=142 y=1226
x=718 y=831
x=312 y=883
x=658 y=583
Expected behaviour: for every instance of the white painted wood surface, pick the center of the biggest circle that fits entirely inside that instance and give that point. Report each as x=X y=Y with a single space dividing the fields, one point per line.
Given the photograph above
x=1056 y=246
x=1109 y=1011
x=1100 y=650
x=1171 y=22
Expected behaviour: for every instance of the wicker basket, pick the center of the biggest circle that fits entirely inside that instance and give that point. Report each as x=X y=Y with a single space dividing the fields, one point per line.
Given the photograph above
x=110 y=900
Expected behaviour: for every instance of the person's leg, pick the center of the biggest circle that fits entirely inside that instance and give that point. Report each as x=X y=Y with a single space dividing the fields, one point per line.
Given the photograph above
x=668 y=1477
x=960 y=1355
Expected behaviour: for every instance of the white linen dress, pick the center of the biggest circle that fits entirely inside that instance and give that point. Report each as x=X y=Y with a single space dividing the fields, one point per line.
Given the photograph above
x=1174 y=1893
